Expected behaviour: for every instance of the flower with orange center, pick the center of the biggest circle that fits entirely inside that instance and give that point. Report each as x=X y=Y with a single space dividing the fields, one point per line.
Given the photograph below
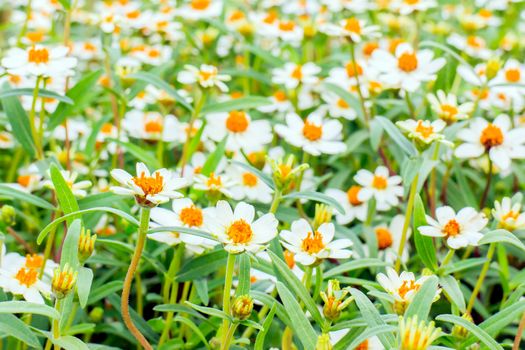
x=27 y=277
x=237 y=121
x=384 y=238
x=249 y=180
x=191 y=216
x=214 y=181
x=353 y=25
x=297 y=72
x=491 y=136
x=379 y=182
x=424 y=131
x=452 y=228
x=287 y=26
x=407 y=62
x=153 y=126
x=34 y=261
x=513 y=75
x=311 y=131
x=507 y=213
x=38 y=56
x=150 y=185
x=240 y=232
x=352 y=195
x=353 y=69
x=200 y=5
x=313 y=243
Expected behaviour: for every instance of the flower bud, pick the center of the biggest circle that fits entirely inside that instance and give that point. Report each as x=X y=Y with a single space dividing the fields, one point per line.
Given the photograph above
x=493 y=67
x=335 y=300
x=64 y=279
x=8 y=215
x=284 y=173
x=323 y=215
x=242 y=307
x=96 y=314
x=86 y=245
x=323 y=343
x=459 y=331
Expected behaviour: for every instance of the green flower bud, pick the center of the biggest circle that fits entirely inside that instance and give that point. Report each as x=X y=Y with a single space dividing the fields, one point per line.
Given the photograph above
x=323 y=343
x=8 y=215
x=242 y=307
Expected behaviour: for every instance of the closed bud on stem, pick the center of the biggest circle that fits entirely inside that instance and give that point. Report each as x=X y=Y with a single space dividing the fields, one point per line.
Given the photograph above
x=242 y=307
x=285 y=172
x=323 y=215
x=416 y=335
x=64 y=279
x=86 y=245
x=461 y=332
x=335 y=300
x=8 y=215
x=96 y=314
x=323 y=343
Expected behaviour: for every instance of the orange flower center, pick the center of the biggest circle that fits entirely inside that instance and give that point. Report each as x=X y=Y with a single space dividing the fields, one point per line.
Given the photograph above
x=297 y=73
x=38 y=55
x=362 y=346
x=425 y=131
x=214 y=181
x=313 y=244
x=154 y=53
x=240 y=232
x=133 y=14
x=449 y=111
x=280 y=96
x=24 y=180
x=249 y=180
x=370 y=47
x=406 y=287
x=491 y=136
x=205 y=75
x=407 y=62
x=106 y=128
x=342 y=104
x=384 y=238
x=510 y=215
x=200 y=4
x=353 y=25
x=311 y=131
x=411 y=2
x=150 y=185
x=379 y=182
x=191 y=216
x=15 y=79
x=353 y=70
x=35 y=37
x=474 y=41
x=153 y=126
x=34 y=261
x=237 y=121
x=352 y=195
x=289 y=258
x=452 y=228
x=286 y=26
x=513 y=75
x=26 y=277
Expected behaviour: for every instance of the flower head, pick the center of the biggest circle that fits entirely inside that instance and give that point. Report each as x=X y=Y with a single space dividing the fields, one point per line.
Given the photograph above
x=414 y=335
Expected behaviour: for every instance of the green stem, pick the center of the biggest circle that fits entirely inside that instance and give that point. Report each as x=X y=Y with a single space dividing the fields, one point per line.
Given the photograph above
x=487 y=186
x=358 y=83
x=410 y=105
x=481 y=278
x=447 y=259
x=228 y=279
x=276 y=200
x=408 y=217
x=56 y=323
x=433 y=177
x=229 y=336
x=32 y=120
x=143 y=229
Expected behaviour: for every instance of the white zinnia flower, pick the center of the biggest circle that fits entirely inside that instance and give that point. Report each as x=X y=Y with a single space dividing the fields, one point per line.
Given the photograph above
x=207 y=76
x=460 y=230
x=402 y=287
x=291 y=75
x=380 y=185
x=447 y=108
x=508 y=214
x=311 y=245
x=424 y=131
x=39 y=61
x=238 y=231
x=349 y=200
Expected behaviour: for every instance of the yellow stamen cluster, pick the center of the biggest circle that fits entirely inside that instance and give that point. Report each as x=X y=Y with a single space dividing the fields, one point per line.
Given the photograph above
x=240 y=232
x=86 y=245
x=414 y=335
x=63 y=281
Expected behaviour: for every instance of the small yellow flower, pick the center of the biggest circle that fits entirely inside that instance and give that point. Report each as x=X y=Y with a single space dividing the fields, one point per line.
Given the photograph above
x=64 y=280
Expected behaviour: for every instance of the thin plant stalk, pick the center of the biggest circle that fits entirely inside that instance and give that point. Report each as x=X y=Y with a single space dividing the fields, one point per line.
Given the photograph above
x=519 y=333
x=408 y=217
x=32 y=118
x=481 y=279
x=226 y=298
x=143 y=229
x=229 y=336
x=487 y=186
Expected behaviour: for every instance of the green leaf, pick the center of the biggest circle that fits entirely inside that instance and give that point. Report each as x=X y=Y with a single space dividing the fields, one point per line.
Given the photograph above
x=85 y=279
x=17 y=117
x=202 y=290
x=318 y=197
x=17 y=307
x=214 y=158
x=66 y=199
x=424 y=244
x=259 y=341
x=65 y=3
x=262 y=176
x=57 y=221
x=182 y=229
x=244 y=275
x=104 y=290
x=177 y=308
x=41 y=93
x=242 y=103
x=372 y=316
x=463 y=265
x=298 y=289
x=502 y=236
x=14 y=327
x=354 y=265
x=451 y=287
x=139 y=322
x=265 y=55
x=473 y=329
x=138 y=152
x=269 y=301
x=70 y=247
x=202 y=265
x=194 y=328
x=210 y=311
x=82 y=93
x=24 y=197
x=299 y=323
x=68 y=342
x=397 y=136
x=195 y=141
x=422 y=302
x=161 y=84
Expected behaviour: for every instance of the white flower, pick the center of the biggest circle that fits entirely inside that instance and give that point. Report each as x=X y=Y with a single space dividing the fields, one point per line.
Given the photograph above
x=152 y=126
x=311 y=245
x=148 y=189
x=185 y=214
x=405 y=7
x=447 y=108
x=6 y=140
x=349 y=200
x=207 y=76
x=389 y=239
x=314 y=135
x=460 y=230
x=425 y=131
x=242 y=132
x=380 y=185
x=497 y=139
x=508 y=214
x=249 y=186
x=291 y=75
x=200 y=9
x=214 y=183
x=402 y=287
x=353 y=28
x=39 y=61
x=78 y=188
x=472 y=45
x=280 y=103
x=408 y=68
x=237 y=229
